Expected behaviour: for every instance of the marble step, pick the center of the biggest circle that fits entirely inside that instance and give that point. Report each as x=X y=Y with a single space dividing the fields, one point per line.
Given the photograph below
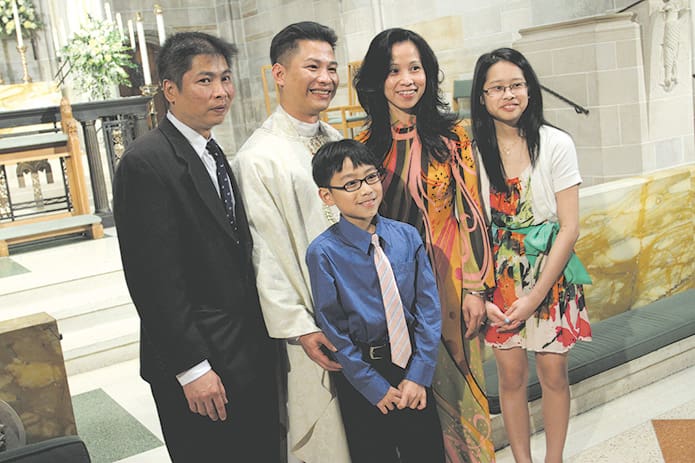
x=95 y=317
x=66 y=298
x=101 y=342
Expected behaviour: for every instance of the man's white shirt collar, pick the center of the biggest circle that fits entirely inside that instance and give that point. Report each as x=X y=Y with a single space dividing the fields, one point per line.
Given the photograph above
x=304 y=129
x=197 y=141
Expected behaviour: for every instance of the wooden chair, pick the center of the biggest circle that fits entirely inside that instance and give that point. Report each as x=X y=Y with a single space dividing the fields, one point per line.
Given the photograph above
x=37 y=147
x=266 y=69
x=461 y=100
x=353 y=67
x=345 y=118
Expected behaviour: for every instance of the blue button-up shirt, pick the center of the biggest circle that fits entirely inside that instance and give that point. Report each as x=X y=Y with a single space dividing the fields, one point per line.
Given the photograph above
x=349 y=307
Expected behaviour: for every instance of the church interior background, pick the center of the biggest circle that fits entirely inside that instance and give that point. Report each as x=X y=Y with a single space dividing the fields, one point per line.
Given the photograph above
x=618 y=76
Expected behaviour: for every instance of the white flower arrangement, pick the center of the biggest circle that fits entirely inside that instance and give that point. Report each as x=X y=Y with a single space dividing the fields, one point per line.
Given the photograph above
x=28 y=18
x=96 y=58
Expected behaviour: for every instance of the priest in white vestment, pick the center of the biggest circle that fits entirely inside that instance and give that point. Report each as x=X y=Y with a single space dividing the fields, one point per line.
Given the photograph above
x=285 y=214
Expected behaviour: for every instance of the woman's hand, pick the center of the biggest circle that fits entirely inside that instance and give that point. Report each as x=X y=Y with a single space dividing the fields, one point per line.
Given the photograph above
x=499 y=319
x=522 y=309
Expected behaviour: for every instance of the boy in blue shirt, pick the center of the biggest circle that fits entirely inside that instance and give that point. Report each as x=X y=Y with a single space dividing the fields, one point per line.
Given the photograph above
x=388 y=410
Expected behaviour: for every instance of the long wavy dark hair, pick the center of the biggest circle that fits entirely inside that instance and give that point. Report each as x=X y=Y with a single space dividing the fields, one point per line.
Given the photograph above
x=483 y=124
x=433 y=118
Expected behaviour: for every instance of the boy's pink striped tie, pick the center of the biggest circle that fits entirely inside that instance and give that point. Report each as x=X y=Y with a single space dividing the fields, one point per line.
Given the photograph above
x=395 y=318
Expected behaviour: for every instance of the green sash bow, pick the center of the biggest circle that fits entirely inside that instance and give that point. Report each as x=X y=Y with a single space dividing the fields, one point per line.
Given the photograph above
x=539 y=238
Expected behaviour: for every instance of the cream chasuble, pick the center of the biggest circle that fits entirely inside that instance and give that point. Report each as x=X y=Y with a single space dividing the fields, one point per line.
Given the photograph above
x=285 y=214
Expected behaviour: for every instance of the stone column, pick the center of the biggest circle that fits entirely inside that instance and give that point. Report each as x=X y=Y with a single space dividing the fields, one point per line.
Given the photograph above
x=96 y=171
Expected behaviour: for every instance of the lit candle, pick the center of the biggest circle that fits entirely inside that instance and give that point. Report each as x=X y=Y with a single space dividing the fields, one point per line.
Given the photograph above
x=119 y=21
x=17 y=24
x=143 y=49
x=131 y=34
x=107 y=10
x=159 y=17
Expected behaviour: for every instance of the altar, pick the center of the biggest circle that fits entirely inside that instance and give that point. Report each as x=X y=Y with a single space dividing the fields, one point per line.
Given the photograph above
x=76 y=88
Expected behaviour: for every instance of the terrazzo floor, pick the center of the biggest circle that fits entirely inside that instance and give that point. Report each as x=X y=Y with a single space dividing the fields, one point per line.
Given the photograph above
x=620 y=431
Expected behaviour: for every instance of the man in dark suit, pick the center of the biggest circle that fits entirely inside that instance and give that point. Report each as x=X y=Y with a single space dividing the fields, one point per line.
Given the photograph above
x=186 y=251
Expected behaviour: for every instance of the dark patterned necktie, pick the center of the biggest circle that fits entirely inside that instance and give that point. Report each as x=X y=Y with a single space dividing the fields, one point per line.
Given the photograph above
x=222 y=179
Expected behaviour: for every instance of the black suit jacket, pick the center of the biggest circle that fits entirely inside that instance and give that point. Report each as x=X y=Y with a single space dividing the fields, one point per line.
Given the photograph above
x=189 y=273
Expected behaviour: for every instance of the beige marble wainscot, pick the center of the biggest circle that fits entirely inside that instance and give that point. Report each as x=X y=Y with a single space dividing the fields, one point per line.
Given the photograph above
x=637 y=239
x=32 y=376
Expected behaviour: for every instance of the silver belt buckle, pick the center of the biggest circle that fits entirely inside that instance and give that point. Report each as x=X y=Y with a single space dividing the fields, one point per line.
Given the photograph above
x=372 y=355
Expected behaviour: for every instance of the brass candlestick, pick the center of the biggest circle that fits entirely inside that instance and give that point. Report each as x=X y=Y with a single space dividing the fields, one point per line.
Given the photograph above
x=22 y=54
x=151 y=90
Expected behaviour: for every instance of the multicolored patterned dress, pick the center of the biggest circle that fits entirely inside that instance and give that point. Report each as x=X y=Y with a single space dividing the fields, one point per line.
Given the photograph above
x=562 y=318
x=442 y=201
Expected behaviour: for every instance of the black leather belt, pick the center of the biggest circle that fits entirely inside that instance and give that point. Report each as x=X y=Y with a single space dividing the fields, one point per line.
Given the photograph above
x=375 y=352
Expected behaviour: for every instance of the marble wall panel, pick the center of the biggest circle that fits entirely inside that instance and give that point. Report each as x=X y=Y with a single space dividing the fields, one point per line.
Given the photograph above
x=666 y=199
x=32 y=376
x=637 y=239
x=667 y=264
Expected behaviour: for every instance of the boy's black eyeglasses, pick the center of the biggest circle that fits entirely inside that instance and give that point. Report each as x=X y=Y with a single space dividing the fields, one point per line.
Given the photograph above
x=354 y=185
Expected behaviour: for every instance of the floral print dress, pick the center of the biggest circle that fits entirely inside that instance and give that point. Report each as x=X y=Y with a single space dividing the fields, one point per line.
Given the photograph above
x=561 y=319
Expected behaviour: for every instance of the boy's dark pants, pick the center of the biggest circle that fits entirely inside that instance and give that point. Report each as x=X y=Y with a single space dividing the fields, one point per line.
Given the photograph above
x=373 y=437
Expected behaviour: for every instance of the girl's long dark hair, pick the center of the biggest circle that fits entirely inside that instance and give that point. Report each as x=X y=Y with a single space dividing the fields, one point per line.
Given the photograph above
x=433 y=117
x=483 y=124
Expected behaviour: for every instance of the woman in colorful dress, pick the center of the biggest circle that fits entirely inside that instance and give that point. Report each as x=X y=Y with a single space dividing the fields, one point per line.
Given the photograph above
x=431 y=182
x=529 y=184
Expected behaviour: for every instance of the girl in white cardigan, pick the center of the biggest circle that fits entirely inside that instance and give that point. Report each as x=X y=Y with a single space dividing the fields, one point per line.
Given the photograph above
x=530 y=184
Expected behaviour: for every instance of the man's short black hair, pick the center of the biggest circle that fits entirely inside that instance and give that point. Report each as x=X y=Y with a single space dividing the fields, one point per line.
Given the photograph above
x=285 y=41
x=177 y=53
x=330 y=157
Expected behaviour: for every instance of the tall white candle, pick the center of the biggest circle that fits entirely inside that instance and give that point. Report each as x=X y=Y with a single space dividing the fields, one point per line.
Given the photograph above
x=131 y=34
x=159 y=17
x=143 y=50
x=54 y=29
x=17 y=24
x=119 y=22
x=107 y=10
x=62 y=34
